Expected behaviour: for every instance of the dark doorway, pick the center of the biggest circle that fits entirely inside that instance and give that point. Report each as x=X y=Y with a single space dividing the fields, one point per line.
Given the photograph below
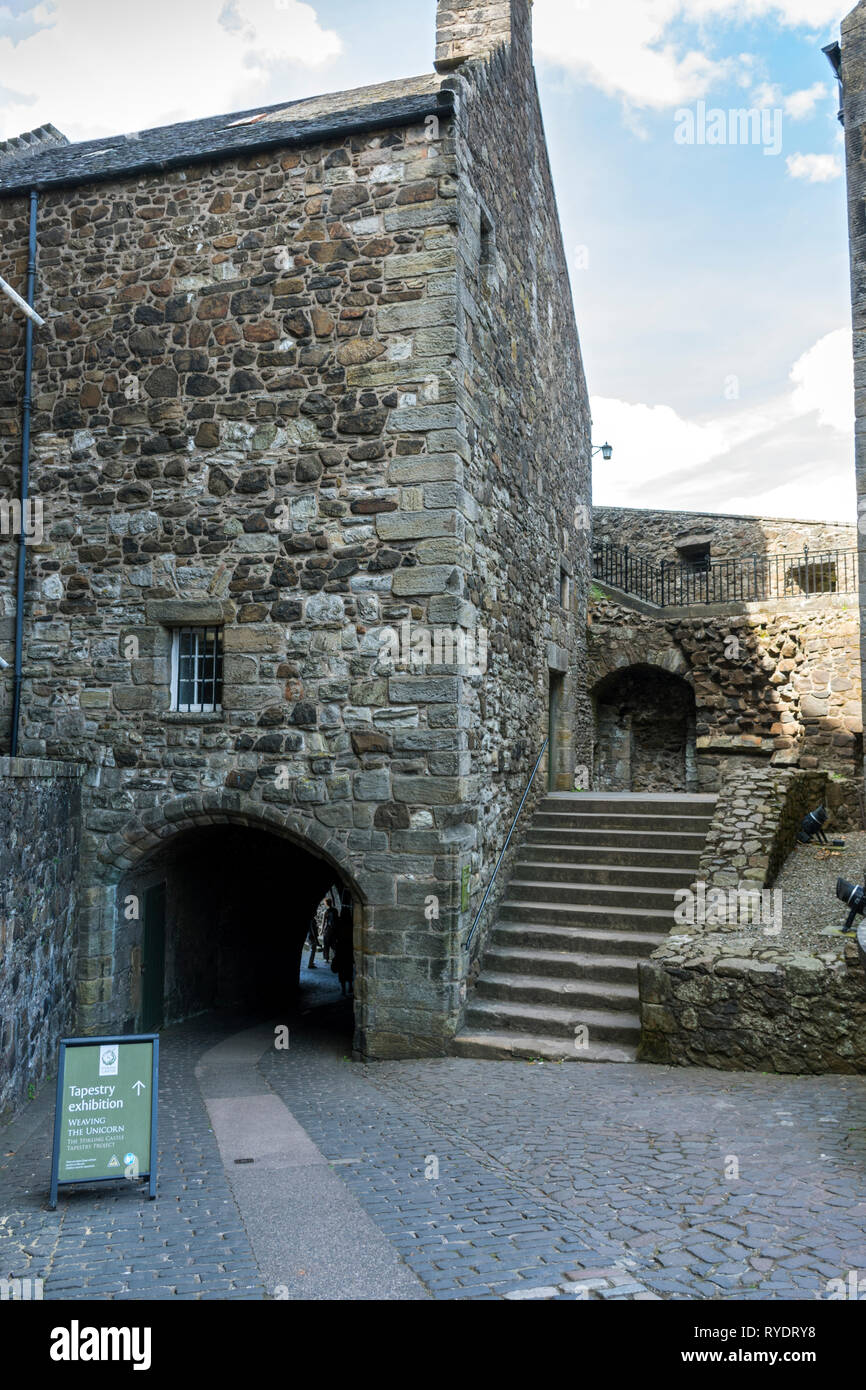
x=645 y=730
x=153 y=959
x=227 y=914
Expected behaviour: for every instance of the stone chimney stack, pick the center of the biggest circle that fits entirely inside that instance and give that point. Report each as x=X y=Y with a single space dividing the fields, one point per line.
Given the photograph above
x=31 y=142
x=466 y=31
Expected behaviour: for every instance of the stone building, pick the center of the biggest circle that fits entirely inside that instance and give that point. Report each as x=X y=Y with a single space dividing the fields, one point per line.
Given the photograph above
x=310 y=380
x=724 y=642
x=849 y=61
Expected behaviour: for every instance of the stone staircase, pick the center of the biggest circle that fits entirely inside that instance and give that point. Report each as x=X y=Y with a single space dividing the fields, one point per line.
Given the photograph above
x=591 y=893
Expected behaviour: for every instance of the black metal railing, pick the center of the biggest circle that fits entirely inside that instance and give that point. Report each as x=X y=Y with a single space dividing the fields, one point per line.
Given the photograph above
x=747 y=579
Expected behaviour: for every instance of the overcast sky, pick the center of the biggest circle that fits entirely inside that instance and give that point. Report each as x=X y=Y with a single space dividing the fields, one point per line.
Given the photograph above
x=708 y=258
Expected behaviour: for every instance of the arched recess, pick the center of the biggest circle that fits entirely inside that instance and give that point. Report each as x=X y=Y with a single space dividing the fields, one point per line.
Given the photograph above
x=135 y=857
x=645 y=731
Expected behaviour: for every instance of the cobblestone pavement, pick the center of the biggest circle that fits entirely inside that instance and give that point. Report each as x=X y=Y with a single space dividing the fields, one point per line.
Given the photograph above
x=491 y=1179
x=110 y=1243
x=616 y=1178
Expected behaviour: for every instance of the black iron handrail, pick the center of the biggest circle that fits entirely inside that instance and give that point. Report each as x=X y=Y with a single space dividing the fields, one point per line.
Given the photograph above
x=505 y=846
x=747 y=579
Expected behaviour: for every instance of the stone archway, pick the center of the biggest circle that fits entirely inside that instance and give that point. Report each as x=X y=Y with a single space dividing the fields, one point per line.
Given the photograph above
x=102 y=989
x=645 y=731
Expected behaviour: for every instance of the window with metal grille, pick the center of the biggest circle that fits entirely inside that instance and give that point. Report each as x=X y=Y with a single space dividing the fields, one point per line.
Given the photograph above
x=197 y=670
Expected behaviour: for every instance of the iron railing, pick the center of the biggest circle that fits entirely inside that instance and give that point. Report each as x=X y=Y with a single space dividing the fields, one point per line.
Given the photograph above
x=747 y=579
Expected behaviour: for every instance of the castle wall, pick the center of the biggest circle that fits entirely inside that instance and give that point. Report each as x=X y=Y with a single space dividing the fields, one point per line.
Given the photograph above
x=854 y=112
x=522 y=393
x=654 y=534
x=40 y=829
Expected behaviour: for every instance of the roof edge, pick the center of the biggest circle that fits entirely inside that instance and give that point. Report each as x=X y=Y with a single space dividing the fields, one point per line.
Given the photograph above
x=249 y=140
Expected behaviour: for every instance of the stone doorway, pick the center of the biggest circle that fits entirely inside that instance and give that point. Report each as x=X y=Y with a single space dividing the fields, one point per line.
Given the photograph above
x=236 y=906
x=556 y=684
x=645 y=730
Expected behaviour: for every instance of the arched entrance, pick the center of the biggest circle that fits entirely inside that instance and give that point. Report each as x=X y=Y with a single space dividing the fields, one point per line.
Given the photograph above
x=645 y=726
x=197 y=906
x=217 y=919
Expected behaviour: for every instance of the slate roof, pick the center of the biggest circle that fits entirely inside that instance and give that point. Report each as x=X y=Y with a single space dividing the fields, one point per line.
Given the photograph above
x=303 y=122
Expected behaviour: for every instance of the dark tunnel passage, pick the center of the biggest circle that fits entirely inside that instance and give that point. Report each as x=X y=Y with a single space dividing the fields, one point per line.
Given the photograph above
x=219 y=919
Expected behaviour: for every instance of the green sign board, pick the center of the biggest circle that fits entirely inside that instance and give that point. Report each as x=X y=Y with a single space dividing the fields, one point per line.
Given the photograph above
x=105 y=1116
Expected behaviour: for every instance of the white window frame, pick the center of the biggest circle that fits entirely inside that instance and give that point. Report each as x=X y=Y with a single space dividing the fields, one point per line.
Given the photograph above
x=201 y=630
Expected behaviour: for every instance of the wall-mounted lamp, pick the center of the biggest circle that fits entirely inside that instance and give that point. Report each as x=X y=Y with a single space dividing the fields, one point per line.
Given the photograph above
x=606 y=450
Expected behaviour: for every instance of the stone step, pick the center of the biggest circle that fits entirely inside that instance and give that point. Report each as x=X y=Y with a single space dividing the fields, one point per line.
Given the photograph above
x=525 y=988
x=575 y=894
x=659 y=803
x=503 y=1046
x=583 y=914
x=603 y=1025
x=591 y=894
x=621 y=875
x=539 y=851
x=616 y=820
x=684 y=842
x=584 y=940
x=562 y=965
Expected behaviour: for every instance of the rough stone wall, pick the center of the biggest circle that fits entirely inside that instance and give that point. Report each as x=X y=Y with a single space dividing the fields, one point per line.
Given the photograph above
x=757 y=817
x=776 y=681
x=725 y=993
x=854 y=112
x=244 y=412
x=40 y=827
x=743 y=1009
x=470 y=29
x=654 y=534
x=522 y=392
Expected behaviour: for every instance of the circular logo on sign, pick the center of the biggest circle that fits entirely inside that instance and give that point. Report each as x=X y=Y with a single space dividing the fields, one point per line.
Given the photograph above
x=109 y=1056
x=129 y=1158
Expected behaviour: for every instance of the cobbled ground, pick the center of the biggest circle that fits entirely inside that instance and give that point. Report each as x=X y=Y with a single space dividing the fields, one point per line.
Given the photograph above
x=492 y=1179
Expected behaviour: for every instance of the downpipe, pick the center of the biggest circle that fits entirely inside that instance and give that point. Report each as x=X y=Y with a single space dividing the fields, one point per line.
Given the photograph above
x=26 y=416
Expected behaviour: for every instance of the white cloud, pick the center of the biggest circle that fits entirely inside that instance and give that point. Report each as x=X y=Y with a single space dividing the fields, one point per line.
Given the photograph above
x=767 y=94
x=651 y=441
x=627 y=48
x=101 y=67
x=638 y=65
x=763 y=459
x=824 y=381
x=814 y=168
x=799 y=105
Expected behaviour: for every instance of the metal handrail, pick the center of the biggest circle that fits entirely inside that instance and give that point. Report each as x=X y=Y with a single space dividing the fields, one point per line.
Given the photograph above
x=468 y=940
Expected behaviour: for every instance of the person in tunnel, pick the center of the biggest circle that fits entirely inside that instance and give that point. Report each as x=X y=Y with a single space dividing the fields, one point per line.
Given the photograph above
x=313 y=940
x=332 y=917
x=343 y=963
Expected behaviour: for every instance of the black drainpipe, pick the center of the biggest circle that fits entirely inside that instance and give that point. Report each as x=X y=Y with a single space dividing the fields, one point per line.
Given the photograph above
x=27 y=411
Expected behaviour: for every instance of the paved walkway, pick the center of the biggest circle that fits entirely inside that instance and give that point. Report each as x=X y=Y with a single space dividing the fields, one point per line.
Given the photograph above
x=451 y=1179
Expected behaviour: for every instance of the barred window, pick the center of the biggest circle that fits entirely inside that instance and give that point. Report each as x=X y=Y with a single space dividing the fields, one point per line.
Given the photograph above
x=197 y=670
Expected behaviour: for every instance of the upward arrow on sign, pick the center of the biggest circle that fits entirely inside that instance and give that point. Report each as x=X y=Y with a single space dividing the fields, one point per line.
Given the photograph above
x=138 y=1086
